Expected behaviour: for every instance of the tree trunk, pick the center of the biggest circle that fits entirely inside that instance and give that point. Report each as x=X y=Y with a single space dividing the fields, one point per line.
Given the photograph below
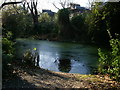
x=33 y=9
x=35 y=22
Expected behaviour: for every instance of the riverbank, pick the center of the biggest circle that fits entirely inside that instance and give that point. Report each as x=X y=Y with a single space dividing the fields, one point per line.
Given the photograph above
x=30 y=77
x=58 y=39
x=54 y=37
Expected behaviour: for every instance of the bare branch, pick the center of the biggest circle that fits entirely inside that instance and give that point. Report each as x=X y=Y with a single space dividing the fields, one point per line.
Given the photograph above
x=8 y=3
x=56 y=6
x=29 y=6
x=36 y=2
x=15 y=9
x=24 y=5
x=62 y=4
x=35 y=8
x=32 y=6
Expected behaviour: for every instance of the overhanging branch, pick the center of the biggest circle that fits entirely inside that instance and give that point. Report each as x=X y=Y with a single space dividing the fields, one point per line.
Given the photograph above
x=8 y=3
x=56 y=6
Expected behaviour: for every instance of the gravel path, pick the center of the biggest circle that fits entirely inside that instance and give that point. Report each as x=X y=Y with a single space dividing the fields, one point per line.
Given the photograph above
x=41 y=78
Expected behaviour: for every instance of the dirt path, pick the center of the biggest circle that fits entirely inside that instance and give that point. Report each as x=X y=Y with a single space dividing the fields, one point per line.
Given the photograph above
x=40 y=78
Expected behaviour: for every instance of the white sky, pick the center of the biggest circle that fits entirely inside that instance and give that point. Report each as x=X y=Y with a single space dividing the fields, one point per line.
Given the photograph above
x=48 y=4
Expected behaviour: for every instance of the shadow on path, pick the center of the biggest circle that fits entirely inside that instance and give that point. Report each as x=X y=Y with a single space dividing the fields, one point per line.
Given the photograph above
x=17 y=82
x=40 y=78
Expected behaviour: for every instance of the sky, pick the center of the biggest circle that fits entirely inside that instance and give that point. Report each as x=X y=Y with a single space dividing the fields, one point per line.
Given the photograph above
x=48 y=4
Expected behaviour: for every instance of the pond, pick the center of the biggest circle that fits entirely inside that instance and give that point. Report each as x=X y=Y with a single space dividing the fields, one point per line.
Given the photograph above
x=61 y=56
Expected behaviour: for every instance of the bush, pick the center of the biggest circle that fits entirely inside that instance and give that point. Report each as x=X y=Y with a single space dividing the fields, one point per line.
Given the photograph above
x=7 y=54
x=78 y=24
x=28 y=57
x=110 y=61
x=31 y=58
x=7 y=46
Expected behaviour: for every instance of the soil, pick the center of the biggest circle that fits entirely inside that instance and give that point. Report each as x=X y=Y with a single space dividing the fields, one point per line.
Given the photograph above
x=36 y=77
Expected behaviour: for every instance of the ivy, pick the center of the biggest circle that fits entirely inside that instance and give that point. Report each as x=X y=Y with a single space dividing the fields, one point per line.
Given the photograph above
x=110 y=61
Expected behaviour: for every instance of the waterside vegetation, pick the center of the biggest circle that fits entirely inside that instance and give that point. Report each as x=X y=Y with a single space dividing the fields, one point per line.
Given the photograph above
x=98 y=25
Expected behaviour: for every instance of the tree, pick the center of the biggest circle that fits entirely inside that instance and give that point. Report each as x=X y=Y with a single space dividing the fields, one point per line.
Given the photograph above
x=109 y=62
x=97 y=26
x=44 y=17
x=47 y=24
x=111 y=15
x=66 y=31
x=9 y=3
x=63 y=16
x=20 y=24
x=78 y=24
x=32 y=5
x=104 y=22
x=63 y=3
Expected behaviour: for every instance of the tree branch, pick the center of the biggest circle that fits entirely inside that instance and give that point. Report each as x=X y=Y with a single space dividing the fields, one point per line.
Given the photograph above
x=8 y=3
x=35 y=8
x=15 y=9
x=30 y=8
x=56 y=6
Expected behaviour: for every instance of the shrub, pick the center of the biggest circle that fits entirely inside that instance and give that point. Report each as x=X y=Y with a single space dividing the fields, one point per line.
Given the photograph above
x=28 y=57
x=7 y=54
x=31 y=58
x=110 y=61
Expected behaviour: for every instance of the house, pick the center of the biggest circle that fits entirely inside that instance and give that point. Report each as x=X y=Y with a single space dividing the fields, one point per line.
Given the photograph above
x=76 y=8
x=50 y=13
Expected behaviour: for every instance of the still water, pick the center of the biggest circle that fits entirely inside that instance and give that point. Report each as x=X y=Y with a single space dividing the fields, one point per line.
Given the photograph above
x=61 y=56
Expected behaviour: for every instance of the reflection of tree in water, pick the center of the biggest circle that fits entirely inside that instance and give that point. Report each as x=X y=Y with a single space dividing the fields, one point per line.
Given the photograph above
x=64 y=65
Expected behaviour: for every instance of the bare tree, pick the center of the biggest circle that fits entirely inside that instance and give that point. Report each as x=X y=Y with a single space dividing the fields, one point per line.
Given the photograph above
x=63 y=3
x=32 y=6
x=56 y=6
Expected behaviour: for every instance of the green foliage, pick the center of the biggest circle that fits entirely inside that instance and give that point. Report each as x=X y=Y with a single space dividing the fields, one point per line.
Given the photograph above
x=47 y=24
x=19 y=23
x=79 y=27
x=29 y=57
x=78 y=22
x=110 y=61
x=44 y=17
x=46 y=27
x=63 y=16
x=111 y=13
x=97 y=27
x=7 y=44
x=103 y=22
x=7 y=54
x=65 y=27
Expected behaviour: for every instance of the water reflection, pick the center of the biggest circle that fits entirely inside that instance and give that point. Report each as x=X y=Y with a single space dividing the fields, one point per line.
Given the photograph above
x=64 y=57
x=64 y=65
